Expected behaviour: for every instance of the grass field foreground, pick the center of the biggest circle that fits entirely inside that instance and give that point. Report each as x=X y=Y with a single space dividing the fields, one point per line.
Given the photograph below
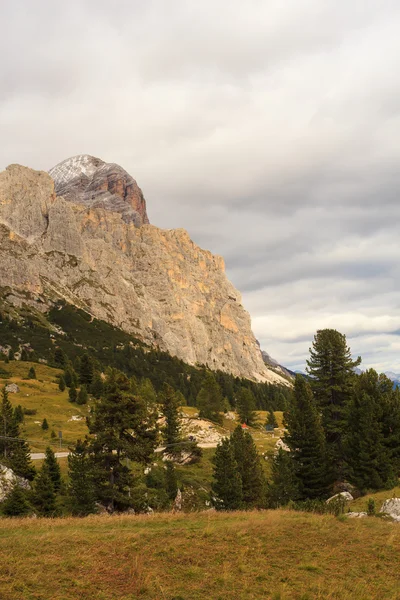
x=277 y=555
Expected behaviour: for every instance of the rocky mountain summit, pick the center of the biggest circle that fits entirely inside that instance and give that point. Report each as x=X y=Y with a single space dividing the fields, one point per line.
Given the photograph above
x=81 y=234
x=90 y=181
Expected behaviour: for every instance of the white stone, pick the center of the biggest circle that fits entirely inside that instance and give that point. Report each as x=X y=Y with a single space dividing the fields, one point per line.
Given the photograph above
x=12 y=388
x=356 y=515
x=344 y=495
x=391 y=507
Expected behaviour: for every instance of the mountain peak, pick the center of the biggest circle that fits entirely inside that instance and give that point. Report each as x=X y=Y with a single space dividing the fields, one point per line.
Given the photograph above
x=90 y=181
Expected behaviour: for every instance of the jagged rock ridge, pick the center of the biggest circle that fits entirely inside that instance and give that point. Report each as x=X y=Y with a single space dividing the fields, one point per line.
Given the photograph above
x=155 y=284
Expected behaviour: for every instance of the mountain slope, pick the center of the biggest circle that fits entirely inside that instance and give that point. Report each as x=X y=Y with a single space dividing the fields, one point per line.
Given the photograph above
x=154 y=284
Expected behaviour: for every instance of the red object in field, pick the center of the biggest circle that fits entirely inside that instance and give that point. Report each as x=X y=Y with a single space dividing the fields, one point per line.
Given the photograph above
x=244 y=426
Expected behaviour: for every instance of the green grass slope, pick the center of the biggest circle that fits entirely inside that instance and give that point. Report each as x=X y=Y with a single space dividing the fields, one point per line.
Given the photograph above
x=274 y=555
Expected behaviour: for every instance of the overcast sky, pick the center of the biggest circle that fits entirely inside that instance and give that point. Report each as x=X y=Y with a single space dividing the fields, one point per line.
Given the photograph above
x=269 y=129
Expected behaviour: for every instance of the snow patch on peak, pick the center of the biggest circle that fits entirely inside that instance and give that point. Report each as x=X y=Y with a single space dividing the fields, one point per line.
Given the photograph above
x=76 y=166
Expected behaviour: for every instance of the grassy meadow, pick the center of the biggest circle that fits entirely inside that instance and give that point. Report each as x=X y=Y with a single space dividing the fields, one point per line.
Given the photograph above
x=276 y=555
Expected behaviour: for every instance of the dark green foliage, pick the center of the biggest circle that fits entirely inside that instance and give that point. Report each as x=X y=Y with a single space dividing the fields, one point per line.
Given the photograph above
x=45 y=424
x=20 y=460
x=52 y=467
x=32 y=373
x=70 y=377
x=24 y=354
x=284 y=486
x=227 y=484
x=86 y=370
x=170 y=409
x=125 y=428
x=19 y=414
x=16 y=504
x=61 y=384
x=11 y=355
x=209 y=400
x=43 y=494
x=371 y=507
x=53 y=434
x=171 y=482
x=246 y=406
x=82 y=397
x=8 y=426
x=306 y=440
x=81 y=492
x=271 y=422
x=59 y=358
x=72 y=393
x=331 y=369
x=97 y=386
x=368 y=458
x=249 y=468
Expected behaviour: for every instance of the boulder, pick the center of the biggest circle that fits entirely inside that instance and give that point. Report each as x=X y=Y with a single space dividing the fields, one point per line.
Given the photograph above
x=12 y=388
x=391 y=507
x=7 y=481
x=356 y=515
x=346 y=496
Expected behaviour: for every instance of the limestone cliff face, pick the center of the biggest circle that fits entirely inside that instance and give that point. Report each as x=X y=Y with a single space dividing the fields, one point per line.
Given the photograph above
x=156 y=284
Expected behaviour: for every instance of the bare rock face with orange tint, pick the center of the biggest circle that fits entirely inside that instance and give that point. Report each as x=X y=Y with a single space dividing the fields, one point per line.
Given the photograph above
x=82 y=234
x=87 y=180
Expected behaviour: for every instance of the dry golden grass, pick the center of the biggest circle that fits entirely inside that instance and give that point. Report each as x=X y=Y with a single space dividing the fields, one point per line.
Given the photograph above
x=240 y=556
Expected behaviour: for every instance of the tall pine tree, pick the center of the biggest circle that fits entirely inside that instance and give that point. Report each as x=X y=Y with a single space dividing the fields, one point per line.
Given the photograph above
x=209 y=399
x=249 y=467
x=306 y=440
x=81 y=491
x=227 y=484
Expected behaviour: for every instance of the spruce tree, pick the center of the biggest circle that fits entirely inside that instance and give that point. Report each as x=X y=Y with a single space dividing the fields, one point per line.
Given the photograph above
x=24 y=355
x=81 y=492
x=306 y=440
x=284 y=485
x=20 y=460
x=43 y=494
x=16 y=504
x=249 y=468
x=8 y=426
x=171 y=482
x=32 y=373
x=125 y=428
x=11 y=354
x=227 y=484
x=97 y=386
x=331 y=369
x=59 y=358
x=61 y=384
x=45 y=425
x=82 y=397
x=19 y=414
x=72 y=393
x=172 y=428
x=246 y=407
x=368 y=459
x=86 y=370
x=271 y=422
x=209 y=399
x=52 y=467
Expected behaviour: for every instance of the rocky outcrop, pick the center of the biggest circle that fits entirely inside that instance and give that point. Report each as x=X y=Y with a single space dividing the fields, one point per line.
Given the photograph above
x=8 y=479
x=90 y=181
x=391 y=507
x=156 y=284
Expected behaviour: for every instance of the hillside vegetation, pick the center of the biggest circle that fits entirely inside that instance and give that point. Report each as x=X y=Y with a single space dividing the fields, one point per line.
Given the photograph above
x=276 y=555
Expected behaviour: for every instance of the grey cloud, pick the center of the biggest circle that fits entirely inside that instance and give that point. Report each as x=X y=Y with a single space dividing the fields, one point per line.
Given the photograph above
x=269 y=130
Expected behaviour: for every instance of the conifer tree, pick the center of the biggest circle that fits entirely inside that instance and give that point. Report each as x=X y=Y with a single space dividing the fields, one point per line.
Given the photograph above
x=227 y=484
x=86 y=370
x=284 y=485
x=306 y=440
x=368 y=459
x=249 y=468
x=271 y=422
x=52 y=467
x=331 y=369
x=97 y=386
x=11 y=355
x=246 y=407
x=81 y=492
x=171 y=482
x=20 y=460
x=209 y=399
x=45 y=424
x=170 y=409
x=16 y=504
x=82 y=397
x=125 y=428
x=59 y=358
x=24 y=354
x=43 y=494
x=8 y=426
x=72 y=393
x=32 y=373
x=61 y=384
x=19 y=414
